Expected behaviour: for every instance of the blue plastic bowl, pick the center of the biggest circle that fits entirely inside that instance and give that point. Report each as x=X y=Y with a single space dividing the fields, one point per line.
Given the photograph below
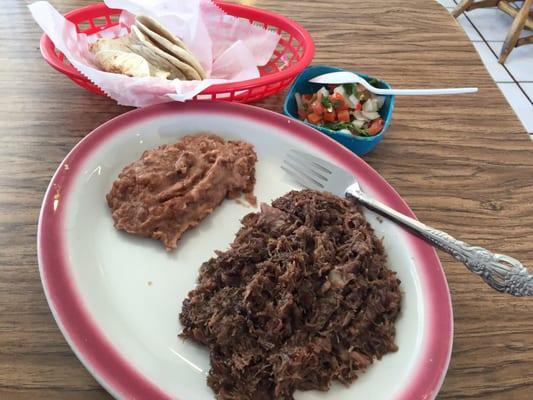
x=360 y=145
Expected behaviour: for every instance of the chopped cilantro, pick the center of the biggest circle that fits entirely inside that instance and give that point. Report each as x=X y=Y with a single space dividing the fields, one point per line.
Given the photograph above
x=360 y=131
x=326 y=102
x=374 y=82
x=337 y=126
x=349 y=88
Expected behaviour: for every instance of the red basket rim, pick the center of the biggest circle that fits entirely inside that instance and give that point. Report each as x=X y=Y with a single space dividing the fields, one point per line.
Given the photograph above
x=47 y=50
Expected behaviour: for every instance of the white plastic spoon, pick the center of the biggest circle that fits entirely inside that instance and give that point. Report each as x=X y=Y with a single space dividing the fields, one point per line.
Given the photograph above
x=337 y=78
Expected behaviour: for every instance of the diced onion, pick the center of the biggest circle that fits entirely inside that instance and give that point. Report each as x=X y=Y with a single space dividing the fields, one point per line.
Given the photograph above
x=371 y=115
x=323 y=91
x=345 y=131
x=359 y=116
x=371 y=105
x=381 y=101
x=340 y=89
x=357 y=123
x=298 y=98
x=350 y=101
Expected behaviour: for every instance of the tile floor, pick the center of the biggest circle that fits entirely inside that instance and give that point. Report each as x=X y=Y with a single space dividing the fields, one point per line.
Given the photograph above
x=487 y=29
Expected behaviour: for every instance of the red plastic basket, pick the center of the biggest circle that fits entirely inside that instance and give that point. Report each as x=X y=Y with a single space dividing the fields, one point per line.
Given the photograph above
x=293 y=53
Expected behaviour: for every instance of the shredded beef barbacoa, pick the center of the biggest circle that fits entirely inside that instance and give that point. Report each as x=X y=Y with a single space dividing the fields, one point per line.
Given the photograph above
x=301 y=298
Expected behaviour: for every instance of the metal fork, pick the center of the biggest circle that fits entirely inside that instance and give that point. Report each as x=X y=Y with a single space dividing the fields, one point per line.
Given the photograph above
x=503 y=273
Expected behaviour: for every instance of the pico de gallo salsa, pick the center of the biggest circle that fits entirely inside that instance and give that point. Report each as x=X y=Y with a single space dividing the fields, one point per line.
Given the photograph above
x=348 y=108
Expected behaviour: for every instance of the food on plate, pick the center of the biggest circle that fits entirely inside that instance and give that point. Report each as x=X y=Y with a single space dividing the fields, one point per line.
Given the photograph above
x=149 y=50
x=348 y=108
x=301 y=298
x=172 y=188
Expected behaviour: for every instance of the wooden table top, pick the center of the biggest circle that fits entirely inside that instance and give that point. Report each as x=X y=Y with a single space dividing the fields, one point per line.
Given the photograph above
x=464 y=164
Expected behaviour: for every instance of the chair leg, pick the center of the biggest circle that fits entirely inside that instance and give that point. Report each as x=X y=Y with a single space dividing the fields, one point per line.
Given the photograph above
x=514 y=32
x=525 y=40
x=462 y=7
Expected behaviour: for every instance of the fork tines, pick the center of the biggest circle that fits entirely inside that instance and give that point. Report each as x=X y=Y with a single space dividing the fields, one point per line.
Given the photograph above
x=305 y=169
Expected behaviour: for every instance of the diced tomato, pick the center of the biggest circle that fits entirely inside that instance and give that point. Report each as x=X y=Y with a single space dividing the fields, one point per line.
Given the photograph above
x=302 y=114
x=338 y=101
x=336 y=96
x=344 y=116
x=317 y=107
x=358 y=107
x=307 y=97
x=342 y=107
x=376 y=126
x=314 y=118
x=330 y=116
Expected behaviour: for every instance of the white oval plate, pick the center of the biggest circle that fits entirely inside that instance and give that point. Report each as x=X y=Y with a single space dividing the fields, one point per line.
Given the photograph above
x=116 y=297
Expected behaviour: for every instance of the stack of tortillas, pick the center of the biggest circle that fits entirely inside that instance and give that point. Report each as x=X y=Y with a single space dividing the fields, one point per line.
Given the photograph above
x=149 y=50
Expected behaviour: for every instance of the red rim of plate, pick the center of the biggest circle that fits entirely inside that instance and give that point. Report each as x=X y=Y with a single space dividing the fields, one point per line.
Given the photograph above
x=88 y=341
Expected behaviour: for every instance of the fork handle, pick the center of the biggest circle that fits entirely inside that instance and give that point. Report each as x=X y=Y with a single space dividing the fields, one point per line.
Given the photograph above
x=502 y=273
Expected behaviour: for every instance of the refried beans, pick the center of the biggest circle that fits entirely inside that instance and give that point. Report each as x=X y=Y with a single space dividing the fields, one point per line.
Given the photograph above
x=301 y=298
x=170 y=189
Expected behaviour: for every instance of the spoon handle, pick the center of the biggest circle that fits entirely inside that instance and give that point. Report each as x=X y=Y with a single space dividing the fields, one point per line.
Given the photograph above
x=349 y=77
x=422 y=92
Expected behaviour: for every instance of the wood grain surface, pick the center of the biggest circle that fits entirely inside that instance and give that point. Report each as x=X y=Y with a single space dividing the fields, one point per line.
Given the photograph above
x=464 y=164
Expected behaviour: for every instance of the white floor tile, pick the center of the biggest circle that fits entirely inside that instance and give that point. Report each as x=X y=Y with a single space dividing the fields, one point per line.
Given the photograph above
x=447 y=3
x=521 y=105
x=468 y=28
x=498 y=73
x=520 y=61
x=492 y=23
x=528 y=88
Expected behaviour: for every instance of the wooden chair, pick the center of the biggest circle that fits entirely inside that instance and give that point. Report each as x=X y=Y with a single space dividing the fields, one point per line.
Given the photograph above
x=522 y=18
